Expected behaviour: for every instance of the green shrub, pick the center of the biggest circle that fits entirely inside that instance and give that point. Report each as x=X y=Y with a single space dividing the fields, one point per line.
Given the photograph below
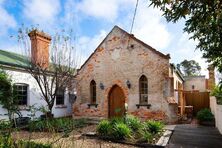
x=104 y=128
x=121 y=131
x=37 y=125
x=154 y=126
x=217 y=92
x=205 y=115
x=6 y=141
x=5 y=125
x=130 y=127
x=79 y=123
x=57 y=124
x=147 y=136
x=134 y=123
x=116 y=120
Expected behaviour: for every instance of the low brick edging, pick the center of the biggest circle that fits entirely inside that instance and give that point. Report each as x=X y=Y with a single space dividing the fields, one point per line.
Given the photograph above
x=94 y=136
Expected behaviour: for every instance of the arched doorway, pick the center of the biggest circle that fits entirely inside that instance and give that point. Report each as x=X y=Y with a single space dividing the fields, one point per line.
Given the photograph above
x=116 y=102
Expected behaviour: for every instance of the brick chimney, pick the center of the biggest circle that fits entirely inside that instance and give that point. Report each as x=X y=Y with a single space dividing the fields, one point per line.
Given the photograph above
x=39 y=48
x=211 y=80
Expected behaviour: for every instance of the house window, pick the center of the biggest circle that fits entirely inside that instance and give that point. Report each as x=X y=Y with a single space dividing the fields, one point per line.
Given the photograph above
x=21 y=93
x=60 y=96
x=93 y=91
x=143 y=89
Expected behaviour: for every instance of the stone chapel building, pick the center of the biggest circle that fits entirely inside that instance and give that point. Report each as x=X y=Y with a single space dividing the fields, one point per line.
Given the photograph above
x=123 y=75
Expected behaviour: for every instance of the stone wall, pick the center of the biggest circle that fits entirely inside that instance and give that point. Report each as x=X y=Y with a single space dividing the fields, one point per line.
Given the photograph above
x=199 y=83
x=120 y=58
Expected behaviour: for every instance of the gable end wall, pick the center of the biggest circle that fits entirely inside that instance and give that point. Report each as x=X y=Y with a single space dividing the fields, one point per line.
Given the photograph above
x=114 y=62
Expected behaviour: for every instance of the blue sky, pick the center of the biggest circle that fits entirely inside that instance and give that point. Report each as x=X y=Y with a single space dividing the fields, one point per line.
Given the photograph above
x=92 y=20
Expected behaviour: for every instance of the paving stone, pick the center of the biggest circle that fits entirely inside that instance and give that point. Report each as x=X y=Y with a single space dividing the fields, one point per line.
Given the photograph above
x=188 y=136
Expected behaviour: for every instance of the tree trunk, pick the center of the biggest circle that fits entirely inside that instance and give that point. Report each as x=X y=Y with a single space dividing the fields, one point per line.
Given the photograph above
x=49 y=114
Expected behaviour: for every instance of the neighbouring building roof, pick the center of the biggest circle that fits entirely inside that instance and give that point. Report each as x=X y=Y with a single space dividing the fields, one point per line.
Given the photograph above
x=190 y=77
x=177 y=71
x=13 y=59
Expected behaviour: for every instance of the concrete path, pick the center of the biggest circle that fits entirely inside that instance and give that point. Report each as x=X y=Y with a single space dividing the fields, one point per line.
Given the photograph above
x=195 y=136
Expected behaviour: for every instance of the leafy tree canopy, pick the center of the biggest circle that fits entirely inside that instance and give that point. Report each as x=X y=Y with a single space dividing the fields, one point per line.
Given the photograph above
x=7 y=96
x=189 y=68
x=203 y=22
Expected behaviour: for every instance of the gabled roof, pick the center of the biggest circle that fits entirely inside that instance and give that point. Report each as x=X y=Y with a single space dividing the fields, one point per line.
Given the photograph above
x=17 y=61
x=131 y=37
x=13 y=59
x=178 y=72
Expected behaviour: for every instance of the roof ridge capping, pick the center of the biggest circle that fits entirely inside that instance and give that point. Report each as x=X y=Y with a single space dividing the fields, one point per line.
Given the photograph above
x=145 y=44
x=194 y=76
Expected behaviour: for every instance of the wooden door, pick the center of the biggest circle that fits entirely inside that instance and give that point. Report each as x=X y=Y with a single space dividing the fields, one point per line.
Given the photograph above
x=199 y=100
x=116 y=102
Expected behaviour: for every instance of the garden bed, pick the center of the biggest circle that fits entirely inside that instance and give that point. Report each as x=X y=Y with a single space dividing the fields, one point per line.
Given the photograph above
x=137 y=144
x=130 y=130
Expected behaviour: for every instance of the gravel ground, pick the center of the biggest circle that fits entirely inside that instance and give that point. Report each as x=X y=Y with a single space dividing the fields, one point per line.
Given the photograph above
x=75 y=140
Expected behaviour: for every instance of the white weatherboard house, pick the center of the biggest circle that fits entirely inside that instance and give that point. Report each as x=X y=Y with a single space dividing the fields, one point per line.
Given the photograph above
x=27 y=87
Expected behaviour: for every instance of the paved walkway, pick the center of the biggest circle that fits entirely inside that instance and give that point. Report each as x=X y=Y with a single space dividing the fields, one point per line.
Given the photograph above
x=194 y=136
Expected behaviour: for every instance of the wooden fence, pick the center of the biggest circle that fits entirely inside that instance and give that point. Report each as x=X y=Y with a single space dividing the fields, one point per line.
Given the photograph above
x=198 y=100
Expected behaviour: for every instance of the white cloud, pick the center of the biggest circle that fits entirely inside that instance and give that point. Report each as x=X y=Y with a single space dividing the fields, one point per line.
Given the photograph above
x=1 y=2
x=183 y=48
x=105 y=9
x=150 y=28
x=70 y=18
x=41 y=11
x=86 y=45
x=7 y=20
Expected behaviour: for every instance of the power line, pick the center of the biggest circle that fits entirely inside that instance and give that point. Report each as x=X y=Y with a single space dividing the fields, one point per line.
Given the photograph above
x=134 y=16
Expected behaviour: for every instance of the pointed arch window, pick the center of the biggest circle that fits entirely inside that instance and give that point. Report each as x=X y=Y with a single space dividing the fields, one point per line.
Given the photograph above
x=143 y=89
x=93 y=91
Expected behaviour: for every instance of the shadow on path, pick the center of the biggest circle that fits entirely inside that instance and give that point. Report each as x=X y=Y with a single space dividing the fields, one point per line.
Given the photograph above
x=195 y=136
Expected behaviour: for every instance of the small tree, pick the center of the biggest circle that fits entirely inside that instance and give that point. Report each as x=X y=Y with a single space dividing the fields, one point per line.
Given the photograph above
x=202 y=21
x=7 y=96
x=59 y=74
x=189 y=68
